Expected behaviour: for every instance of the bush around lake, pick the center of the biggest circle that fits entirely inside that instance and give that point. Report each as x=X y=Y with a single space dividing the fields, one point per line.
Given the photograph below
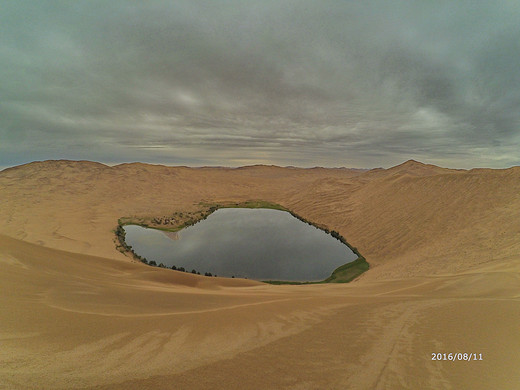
x=342 y=274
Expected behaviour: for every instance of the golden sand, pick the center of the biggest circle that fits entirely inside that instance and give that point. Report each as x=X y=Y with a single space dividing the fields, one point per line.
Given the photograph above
x=443 y=245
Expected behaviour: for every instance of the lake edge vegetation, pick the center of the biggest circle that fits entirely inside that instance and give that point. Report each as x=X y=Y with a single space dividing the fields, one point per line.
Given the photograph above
x=180 y=220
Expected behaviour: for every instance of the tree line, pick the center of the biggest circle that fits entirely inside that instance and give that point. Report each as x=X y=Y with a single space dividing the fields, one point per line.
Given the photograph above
x=124 y=247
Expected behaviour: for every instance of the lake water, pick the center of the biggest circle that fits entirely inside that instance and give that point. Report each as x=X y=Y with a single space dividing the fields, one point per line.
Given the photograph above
x=260 y=244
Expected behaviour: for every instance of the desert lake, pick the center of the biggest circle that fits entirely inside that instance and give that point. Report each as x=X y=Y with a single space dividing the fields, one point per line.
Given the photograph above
x=262 y=244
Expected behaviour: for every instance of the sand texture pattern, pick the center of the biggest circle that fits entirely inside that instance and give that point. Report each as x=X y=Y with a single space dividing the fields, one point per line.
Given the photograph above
x=443 y=245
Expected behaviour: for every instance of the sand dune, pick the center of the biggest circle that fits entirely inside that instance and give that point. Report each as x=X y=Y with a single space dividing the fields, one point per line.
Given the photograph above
x=444 y=249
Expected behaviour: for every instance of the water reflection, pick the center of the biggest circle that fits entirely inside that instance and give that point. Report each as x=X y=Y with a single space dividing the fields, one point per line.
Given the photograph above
x=254 y=243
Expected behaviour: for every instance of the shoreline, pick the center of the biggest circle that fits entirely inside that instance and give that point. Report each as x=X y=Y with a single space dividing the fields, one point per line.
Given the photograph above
x=343 y=274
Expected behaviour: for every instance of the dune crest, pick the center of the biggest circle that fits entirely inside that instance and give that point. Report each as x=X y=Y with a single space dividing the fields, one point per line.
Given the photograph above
x=443 y=246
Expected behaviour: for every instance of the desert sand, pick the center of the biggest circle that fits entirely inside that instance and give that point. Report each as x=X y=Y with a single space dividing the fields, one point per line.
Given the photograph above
x=443 y=245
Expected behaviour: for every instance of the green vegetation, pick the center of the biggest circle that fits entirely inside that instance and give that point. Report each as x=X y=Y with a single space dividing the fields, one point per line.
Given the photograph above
x=253 y=204
x=348 y=272
x=343 y=274
x=180 y=220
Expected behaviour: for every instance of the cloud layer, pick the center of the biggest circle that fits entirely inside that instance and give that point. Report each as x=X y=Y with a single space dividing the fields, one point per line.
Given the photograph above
x=331 y=83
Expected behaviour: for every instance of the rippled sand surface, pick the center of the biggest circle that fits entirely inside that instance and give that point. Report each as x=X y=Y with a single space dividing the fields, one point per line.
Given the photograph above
x=444 y=249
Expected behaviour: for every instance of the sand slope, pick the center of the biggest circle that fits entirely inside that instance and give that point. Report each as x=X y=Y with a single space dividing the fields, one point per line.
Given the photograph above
x=444 y=246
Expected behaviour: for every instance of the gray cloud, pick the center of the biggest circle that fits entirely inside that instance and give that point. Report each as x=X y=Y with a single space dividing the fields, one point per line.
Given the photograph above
x=330 y=83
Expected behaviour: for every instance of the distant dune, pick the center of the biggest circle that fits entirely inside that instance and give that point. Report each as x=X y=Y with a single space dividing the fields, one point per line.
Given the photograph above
x=443 y=245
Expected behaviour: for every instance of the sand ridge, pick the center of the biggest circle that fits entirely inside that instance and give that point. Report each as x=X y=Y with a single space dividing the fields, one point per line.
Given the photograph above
x=444 y=246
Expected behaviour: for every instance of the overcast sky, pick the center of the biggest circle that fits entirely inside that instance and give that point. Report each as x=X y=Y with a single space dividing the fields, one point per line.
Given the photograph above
x=304 y=83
